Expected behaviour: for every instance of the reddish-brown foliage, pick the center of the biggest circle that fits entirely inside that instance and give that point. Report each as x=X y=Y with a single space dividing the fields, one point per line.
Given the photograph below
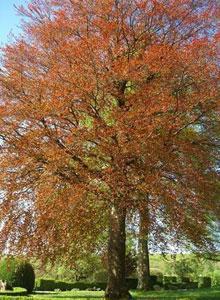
x=99 y=104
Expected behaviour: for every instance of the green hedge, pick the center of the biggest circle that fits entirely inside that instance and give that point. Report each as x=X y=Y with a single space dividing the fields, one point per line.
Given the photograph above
x=156 y=272
x=132 y=283
x=185 y=279
x=16 y=292
x=169 y=279
x=192 y=285
x=153 y=280
x=45 y=285
x=205 y=282
x=51 y=285
x=181 y=285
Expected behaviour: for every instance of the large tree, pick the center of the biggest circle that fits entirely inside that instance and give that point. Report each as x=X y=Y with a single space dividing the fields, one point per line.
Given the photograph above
x=97 y=102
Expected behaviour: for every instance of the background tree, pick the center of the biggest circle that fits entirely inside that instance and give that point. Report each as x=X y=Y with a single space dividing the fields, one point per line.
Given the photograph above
x=17 y=273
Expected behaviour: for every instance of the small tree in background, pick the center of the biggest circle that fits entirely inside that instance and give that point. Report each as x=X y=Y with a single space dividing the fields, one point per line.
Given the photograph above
x=183 y=267
x=7 y=270
x=17 y=273
x=189 y=265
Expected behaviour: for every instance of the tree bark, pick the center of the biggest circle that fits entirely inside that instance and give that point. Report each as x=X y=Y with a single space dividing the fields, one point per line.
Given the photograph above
x=143 y=264
x=116 y=286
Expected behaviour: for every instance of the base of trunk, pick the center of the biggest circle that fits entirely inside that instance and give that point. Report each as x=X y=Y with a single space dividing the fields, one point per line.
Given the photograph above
x=116 y=286
x=114 y=295
x=143 y=267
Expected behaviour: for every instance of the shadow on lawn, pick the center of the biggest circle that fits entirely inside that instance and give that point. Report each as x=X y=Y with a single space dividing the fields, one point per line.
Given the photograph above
x=56 y=296
x=203 y=294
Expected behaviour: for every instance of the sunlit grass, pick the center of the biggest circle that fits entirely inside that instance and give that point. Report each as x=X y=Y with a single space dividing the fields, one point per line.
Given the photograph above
x=199 y=294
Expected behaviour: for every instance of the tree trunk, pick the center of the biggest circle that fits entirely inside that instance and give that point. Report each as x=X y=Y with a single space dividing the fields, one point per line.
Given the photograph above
x=143 y=265
x=116 y=287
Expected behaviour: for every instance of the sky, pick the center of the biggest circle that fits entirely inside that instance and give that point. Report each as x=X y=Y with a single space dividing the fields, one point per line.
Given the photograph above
x=9 y=20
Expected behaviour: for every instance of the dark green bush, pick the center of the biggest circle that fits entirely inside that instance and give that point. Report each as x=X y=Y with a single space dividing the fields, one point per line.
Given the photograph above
x=158 y=273
x=132 y=283
x=181 y=285
x=185 y=279
x=153 y=280
x=175 y=286
x=205 y=282
x=8 y=287
x=25 y=276
x=63 y=286
x=17 y=272
x=51 y=285
x=171 y=286
x=169 y=279
x=45 y=284
x=81 y=285
x=192 y=285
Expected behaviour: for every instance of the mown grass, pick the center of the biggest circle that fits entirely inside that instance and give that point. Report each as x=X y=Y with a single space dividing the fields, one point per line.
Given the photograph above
x=17 y=291
x=200 y=294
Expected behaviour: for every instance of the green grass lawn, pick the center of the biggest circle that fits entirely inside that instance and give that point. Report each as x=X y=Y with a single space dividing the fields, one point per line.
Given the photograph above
x=200 y=294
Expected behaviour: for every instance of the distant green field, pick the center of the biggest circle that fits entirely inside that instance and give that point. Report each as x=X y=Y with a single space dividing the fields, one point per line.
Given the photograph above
x=200 y=294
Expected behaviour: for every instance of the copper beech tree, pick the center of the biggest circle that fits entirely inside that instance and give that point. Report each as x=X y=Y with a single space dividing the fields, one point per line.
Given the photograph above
x=102 y=103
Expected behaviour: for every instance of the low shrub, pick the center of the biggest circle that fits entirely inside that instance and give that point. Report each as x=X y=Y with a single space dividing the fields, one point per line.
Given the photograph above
x=63 y=286
x=158 y=273
x=181 y=286
x=185 y=279
x=153 y=280
x=45 y=284
x=132 y=283
x=169 y=279
x=205 y=282
x=172 y=286
x=52 y=285
x=8 y=287
x=192 y=285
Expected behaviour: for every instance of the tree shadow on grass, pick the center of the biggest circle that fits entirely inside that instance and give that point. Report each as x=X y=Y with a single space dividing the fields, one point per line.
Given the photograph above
x=44 y=293
x=49 y=295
